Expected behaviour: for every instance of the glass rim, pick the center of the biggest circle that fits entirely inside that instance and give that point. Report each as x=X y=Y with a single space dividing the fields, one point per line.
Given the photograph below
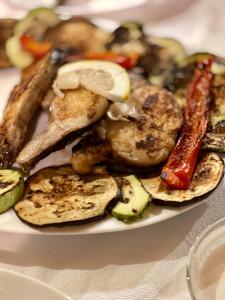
x=192 y=250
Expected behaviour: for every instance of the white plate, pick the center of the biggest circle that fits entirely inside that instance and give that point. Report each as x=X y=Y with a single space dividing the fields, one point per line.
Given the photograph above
x=15 y=286
x=9 y=221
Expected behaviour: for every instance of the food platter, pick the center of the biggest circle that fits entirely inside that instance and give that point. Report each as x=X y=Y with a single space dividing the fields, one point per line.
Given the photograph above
x=9 y=221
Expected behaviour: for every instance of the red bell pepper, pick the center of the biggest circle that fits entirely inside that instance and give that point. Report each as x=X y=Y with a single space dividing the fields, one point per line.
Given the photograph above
x=37 y=49
x=126 y=61
x=178 y=170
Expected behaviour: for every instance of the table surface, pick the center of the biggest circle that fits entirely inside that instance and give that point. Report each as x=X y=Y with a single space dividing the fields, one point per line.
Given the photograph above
x=147 y=263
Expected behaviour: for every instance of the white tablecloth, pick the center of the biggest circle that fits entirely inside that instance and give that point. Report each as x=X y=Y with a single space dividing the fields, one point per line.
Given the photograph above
x=147 y=263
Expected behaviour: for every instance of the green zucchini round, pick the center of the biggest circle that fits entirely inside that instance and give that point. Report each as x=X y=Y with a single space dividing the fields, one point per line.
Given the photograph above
x=134 y=200
x=11 y=188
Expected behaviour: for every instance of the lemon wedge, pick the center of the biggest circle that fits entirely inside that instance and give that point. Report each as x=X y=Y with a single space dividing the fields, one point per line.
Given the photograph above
x=104 y=78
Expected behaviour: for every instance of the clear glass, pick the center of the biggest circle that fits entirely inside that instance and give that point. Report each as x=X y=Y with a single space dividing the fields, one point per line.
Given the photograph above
x=206 y=264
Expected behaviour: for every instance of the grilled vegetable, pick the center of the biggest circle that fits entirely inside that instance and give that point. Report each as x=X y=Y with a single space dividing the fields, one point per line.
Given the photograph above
x=214 y=142
x=35 y=48
x=16 y=55
x=22 y=48
x=11 y=188
x=217 y=67
x=173 y=47
x=60 y=196
x=206 y=177
x=127 y=38
x=160 y=57
x=215 y=137
x=178 y=170
x=134 y=200
x=36 y=22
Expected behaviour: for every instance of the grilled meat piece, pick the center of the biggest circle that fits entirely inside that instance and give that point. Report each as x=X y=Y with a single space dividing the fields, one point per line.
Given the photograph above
x=77 y=110
x=149 y=140
x=77 y=33
x=6 y=29
x=23 y=102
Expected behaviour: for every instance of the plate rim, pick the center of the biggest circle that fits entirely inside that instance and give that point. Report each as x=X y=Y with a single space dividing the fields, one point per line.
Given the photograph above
x=35 y=281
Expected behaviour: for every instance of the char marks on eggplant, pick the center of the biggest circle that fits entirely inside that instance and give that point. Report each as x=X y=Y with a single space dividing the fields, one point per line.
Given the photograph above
x=148 y=140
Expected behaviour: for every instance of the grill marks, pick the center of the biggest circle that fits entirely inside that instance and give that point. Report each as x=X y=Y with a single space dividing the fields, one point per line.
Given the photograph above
x=147 y=141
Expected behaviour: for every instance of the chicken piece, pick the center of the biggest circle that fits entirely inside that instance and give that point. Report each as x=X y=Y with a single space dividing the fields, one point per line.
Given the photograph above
x=23 y=102
x=148 y=140
x=77 y=110
x=77 y=33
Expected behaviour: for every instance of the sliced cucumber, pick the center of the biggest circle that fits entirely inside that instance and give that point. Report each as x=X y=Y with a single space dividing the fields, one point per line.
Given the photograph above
x=37 y=21
x=206 y=177
x=11 y=188
x=17 y=56
x=58 y=195
x=134 y=200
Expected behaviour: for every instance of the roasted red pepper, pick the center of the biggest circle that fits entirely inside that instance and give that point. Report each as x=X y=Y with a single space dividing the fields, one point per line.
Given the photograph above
x=126 y=61
x=178 y=170
x=37 y=49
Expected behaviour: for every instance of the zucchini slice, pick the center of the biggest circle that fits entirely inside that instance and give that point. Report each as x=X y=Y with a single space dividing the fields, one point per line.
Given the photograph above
x=206 y=177
x=58 y=195
x=36 y=22
x=11 y=188
x=16 y=55
x=134 y=200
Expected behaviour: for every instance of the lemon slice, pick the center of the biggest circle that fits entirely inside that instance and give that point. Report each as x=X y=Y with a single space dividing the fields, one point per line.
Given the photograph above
x=104 y=78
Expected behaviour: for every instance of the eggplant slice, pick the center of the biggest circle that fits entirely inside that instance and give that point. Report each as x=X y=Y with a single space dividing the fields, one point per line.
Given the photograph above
x=77 y=110
x=77 y=33
x=148 y=140
x=60 y=196
x=206 y=177
x=22 y=104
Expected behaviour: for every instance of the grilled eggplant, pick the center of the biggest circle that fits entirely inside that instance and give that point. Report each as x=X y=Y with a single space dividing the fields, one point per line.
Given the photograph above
x=77 y=110
x=215 y=137
x=24 y=100
x=77 y=33
x=134 y=200
x=60 y=196
x=206 y=177
x=148 y=140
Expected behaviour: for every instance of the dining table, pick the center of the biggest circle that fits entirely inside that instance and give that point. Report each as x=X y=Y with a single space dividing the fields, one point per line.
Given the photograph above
x=139 y=264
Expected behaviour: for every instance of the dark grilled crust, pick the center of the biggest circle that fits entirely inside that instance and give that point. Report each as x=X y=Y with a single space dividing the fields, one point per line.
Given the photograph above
x=23 y=102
